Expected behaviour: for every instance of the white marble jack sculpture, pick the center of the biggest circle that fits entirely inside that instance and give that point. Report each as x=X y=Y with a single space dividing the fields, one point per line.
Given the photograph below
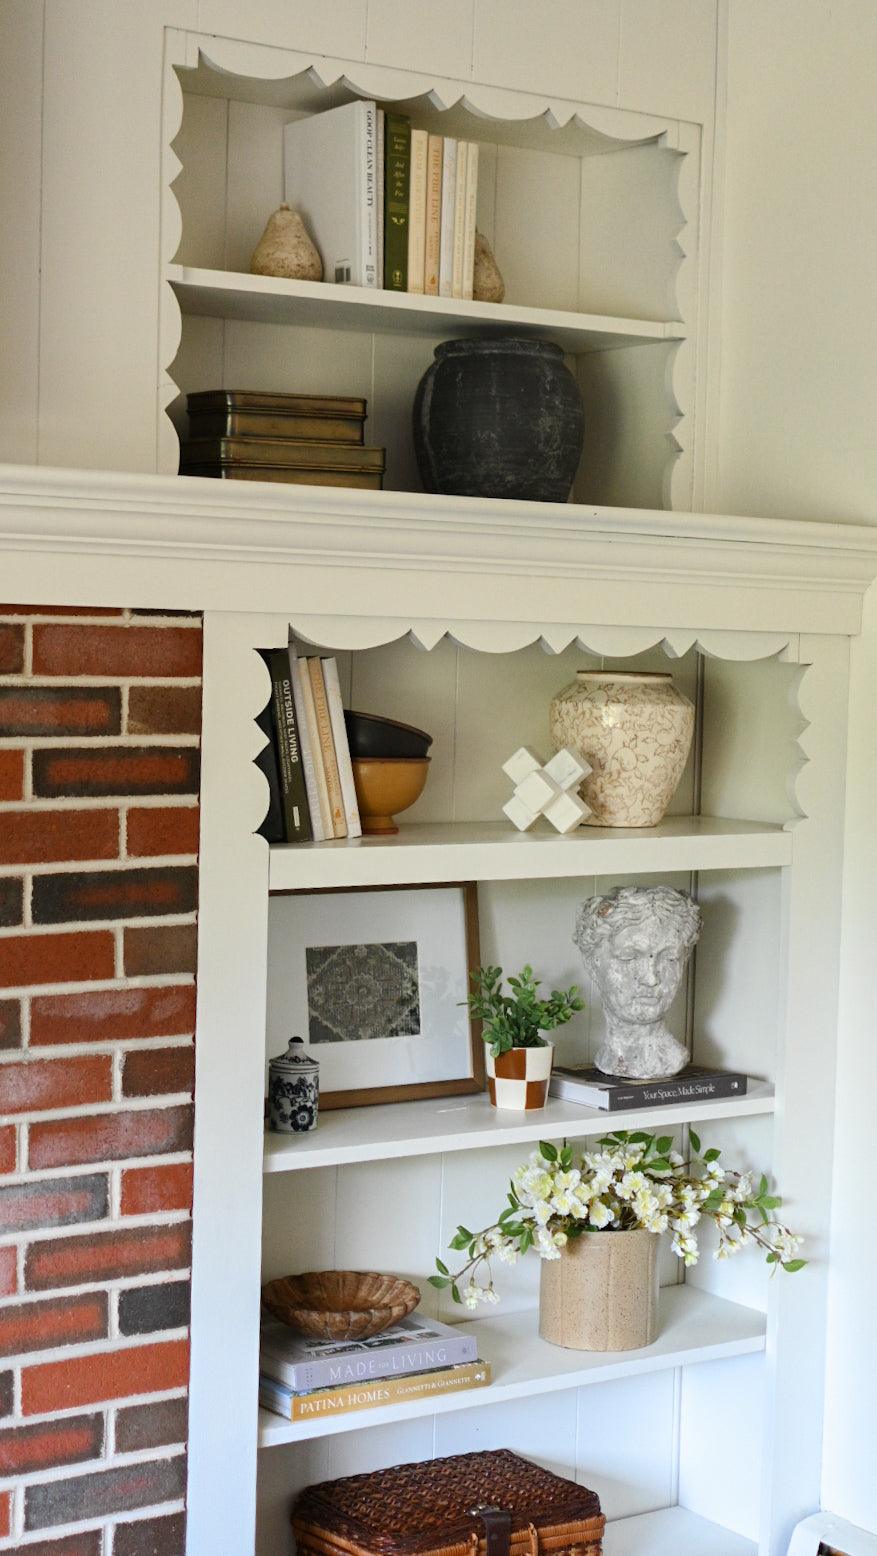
x=546 y=789
x=635 y=943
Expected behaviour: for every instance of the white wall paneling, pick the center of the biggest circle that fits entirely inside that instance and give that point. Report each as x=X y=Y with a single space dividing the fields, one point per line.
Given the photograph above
x=21 y=104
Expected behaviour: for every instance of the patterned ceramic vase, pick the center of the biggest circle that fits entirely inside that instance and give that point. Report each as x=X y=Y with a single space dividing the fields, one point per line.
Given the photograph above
x=602 y=1293
x=635 y=730
x=519 y=1079
x=293 y=1090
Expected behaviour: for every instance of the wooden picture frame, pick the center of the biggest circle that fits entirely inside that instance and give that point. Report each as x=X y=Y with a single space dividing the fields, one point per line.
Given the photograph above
x=333 y=1096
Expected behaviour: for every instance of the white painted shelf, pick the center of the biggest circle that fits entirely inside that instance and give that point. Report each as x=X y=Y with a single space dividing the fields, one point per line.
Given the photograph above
x=371 y=1134
x=224 y=294
x=672 y=1531
x=694 y=1327
x=494 y=851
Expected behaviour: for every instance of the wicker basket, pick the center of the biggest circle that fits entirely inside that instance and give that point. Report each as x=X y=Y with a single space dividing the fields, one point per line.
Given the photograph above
x=474 y=1504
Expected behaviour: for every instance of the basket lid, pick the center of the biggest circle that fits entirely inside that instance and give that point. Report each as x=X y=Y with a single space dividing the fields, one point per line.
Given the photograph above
x=421 y=1507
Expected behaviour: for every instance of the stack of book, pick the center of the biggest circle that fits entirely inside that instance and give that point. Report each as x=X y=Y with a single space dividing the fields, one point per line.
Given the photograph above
x=415 y=1359
x=387 y=205
x=311 y=439
x=590 y=1088
x=307 y=760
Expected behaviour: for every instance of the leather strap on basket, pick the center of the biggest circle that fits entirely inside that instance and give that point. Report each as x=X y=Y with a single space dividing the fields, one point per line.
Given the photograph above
x=497 y=1528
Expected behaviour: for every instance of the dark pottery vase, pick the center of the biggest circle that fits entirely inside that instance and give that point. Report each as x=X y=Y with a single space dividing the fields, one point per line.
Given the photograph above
x=498 y=417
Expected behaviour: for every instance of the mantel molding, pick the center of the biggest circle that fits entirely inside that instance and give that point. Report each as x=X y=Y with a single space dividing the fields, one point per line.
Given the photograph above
x=196 y=541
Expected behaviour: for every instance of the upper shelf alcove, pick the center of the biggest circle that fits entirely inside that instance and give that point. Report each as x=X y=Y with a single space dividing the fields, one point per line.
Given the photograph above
x=590 y=211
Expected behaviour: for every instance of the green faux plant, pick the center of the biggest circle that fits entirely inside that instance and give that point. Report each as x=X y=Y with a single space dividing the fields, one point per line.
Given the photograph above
x=518 y=1019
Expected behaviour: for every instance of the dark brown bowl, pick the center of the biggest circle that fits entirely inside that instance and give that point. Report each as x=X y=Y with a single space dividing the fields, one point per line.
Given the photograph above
x=369 y=735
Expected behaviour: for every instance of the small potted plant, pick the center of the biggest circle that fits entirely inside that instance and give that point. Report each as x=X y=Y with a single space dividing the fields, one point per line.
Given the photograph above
x=595 y=1219
x=519 y=1058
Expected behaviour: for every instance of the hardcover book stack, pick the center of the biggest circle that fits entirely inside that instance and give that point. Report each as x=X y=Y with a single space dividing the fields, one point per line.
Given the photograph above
x=307 y=758
x=310 y=439
x=388 y=205
x=301 y=1379
x=590 y=1088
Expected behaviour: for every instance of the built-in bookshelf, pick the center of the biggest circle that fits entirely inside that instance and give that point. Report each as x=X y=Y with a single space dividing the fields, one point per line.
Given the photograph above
x=477 y=649
x=463 y=618
x=586 y=217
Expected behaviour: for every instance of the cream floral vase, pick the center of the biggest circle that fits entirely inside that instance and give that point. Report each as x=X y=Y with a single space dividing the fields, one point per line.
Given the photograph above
x=635 y=729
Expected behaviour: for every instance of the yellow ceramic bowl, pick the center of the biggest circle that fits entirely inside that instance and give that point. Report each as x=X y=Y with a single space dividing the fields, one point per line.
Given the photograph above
x=385 y=785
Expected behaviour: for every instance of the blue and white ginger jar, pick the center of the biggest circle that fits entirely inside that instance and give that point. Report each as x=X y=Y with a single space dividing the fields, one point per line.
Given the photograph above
x=293 y=1090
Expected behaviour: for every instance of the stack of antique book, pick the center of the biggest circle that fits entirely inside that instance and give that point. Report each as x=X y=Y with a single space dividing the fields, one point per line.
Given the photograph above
x=301 y=1378
x=309 y=439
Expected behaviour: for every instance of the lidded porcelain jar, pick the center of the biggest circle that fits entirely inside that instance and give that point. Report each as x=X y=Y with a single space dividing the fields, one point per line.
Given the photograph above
x=635 y=729
x=293 y=1090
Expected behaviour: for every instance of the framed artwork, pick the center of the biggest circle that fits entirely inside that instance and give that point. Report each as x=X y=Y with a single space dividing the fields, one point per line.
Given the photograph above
x=374 y=981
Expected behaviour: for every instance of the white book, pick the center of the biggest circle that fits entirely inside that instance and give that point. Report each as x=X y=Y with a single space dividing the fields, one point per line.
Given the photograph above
x=331 y=177
x=449 y=194
x=470 y=218
x=307 y=731
x=342 y=747
x=417 y=211
x=459 y=218
x=381 y=129
x=432 y=248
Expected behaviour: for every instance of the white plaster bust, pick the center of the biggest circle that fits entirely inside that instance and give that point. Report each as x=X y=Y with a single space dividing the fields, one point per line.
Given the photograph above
x=635 y=943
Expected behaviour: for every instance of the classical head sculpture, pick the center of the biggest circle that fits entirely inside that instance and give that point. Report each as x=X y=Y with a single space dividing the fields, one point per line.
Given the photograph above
x=635 y=943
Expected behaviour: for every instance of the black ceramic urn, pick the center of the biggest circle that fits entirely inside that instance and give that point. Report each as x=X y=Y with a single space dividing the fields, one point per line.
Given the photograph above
x=498 y=417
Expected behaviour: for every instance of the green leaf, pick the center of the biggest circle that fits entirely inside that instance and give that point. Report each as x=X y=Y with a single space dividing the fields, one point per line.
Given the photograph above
x=438 y=1281
x=658 y=1164
x=566 y=1158
x=762 y=1187
x=793 y=1265
x=442 y=1267
x=712 y=1155
x=770 y=1202
x=695 y=1141
x=455 y=1294
x=460 y=1241
x=548 y=1151
x=773 y=1258
x=639 y=1137
x=663 y=1145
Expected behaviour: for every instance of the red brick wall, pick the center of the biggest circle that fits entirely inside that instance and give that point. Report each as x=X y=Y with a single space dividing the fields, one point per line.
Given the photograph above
x=99 y=730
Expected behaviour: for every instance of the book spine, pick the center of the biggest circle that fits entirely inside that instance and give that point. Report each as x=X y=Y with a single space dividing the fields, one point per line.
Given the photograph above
x=369 y=177
x=296 y=814
x=396 y=195
x=470 y=219
x=368 y=1396
x=342 y=747
x=663 y=1092
x=381 y=131
x=433 y=243
x=327 y=748
x=303 y=1377
x=417 y=211
x=272 y=827
x=304 y=705
x=459 y=219
x=449 y=194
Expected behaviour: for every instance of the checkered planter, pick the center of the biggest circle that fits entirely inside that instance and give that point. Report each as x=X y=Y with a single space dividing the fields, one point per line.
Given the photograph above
x=518 y=1080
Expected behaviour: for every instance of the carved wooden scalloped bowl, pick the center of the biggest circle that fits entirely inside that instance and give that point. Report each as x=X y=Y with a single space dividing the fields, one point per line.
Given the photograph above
x=340 y=1304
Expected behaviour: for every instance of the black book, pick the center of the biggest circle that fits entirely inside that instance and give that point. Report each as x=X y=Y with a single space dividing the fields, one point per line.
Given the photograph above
x=296 y=814
x=592 y=1089
x=272 y=827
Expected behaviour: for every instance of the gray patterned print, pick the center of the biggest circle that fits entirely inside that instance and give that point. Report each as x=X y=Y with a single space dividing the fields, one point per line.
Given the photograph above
x=356 y=992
